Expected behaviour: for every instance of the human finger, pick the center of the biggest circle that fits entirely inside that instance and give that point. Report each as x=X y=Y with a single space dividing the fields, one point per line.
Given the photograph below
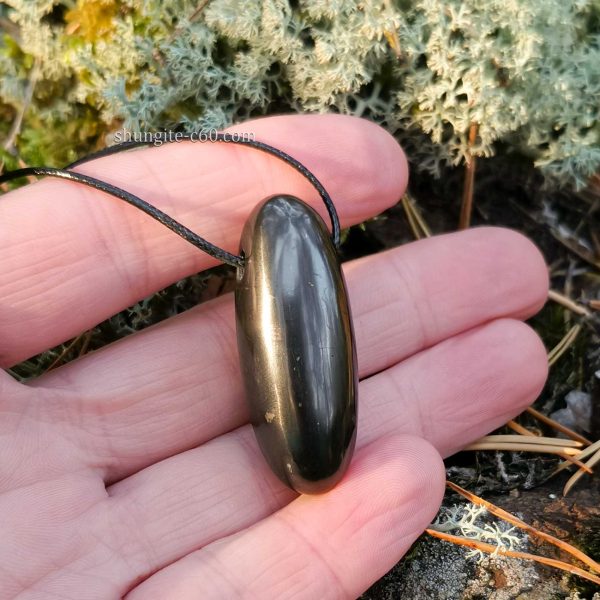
x=72 y=256
x=177 y=385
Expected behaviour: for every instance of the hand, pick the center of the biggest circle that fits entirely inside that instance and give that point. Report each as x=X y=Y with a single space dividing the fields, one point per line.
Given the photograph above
x=133 y=470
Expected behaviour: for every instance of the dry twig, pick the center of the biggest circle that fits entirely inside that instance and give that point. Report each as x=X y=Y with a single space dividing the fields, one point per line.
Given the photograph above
x=567 y=302
x=469 y=184
x=557 y=426
x=491 y=549
x=416 y=221
x=564 y=344
x=510 y=518
x=577 y=475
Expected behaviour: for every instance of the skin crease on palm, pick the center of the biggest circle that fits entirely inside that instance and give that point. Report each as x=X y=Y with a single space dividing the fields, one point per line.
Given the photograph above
x=133 y=472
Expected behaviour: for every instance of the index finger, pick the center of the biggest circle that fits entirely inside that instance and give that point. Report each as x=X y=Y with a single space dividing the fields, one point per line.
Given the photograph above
x=72 y=256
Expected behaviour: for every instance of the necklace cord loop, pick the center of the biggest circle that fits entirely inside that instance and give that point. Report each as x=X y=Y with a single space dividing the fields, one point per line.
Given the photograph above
x=175 y=226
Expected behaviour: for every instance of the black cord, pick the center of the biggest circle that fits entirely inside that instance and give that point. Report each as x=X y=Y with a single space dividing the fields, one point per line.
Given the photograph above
x=155 y=213
x=231 y=139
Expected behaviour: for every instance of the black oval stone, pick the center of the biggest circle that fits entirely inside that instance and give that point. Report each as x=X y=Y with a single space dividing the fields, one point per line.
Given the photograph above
x=296 y=345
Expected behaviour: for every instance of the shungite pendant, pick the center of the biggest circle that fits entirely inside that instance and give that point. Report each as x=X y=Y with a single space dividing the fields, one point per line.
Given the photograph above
x=296 y=345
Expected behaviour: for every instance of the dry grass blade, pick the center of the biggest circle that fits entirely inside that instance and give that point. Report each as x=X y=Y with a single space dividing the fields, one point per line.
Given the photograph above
x=576 y=248
x=579 y=457
x=557 y=426
x=199 y=8
x=416 y=221
x=573 y=460
x=15 y=130
x=565 y=301
x=410 y=216
x=87 y=338
x=583 y=454
x=492 y=508
x=525 y=432
x=392 y=36
x=538 y=439
x=510 y=518
x=577 y=476
x=394 y=41
x=564 y=344
x=520 y=429
x=419 y=217
x=524 y=447
x=491 y=549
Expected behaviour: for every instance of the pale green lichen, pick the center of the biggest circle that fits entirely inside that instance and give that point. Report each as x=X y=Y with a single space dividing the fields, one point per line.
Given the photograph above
x=526 y=74
x=467 y=520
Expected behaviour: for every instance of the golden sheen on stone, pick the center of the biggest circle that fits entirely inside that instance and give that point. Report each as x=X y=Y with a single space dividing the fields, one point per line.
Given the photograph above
x=296 y=345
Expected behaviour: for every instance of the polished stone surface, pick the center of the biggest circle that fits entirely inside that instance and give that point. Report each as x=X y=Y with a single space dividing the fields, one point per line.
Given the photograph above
x=296 y=345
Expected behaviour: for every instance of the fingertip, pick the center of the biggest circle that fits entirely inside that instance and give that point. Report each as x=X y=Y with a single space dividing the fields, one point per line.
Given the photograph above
x=400 y=476
x=523 y=261
x=531 y=364
x=508 y=352
x=362 y=165
x=391 y=494
x=414 y=469
x=384 y=160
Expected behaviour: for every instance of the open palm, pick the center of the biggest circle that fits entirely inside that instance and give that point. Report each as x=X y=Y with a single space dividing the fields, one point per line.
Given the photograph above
x=133 y=471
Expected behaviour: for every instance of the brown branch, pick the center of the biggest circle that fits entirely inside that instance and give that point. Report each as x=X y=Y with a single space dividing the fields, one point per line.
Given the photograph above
x=565 y=301
x=469 y=183
x=491 y=549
